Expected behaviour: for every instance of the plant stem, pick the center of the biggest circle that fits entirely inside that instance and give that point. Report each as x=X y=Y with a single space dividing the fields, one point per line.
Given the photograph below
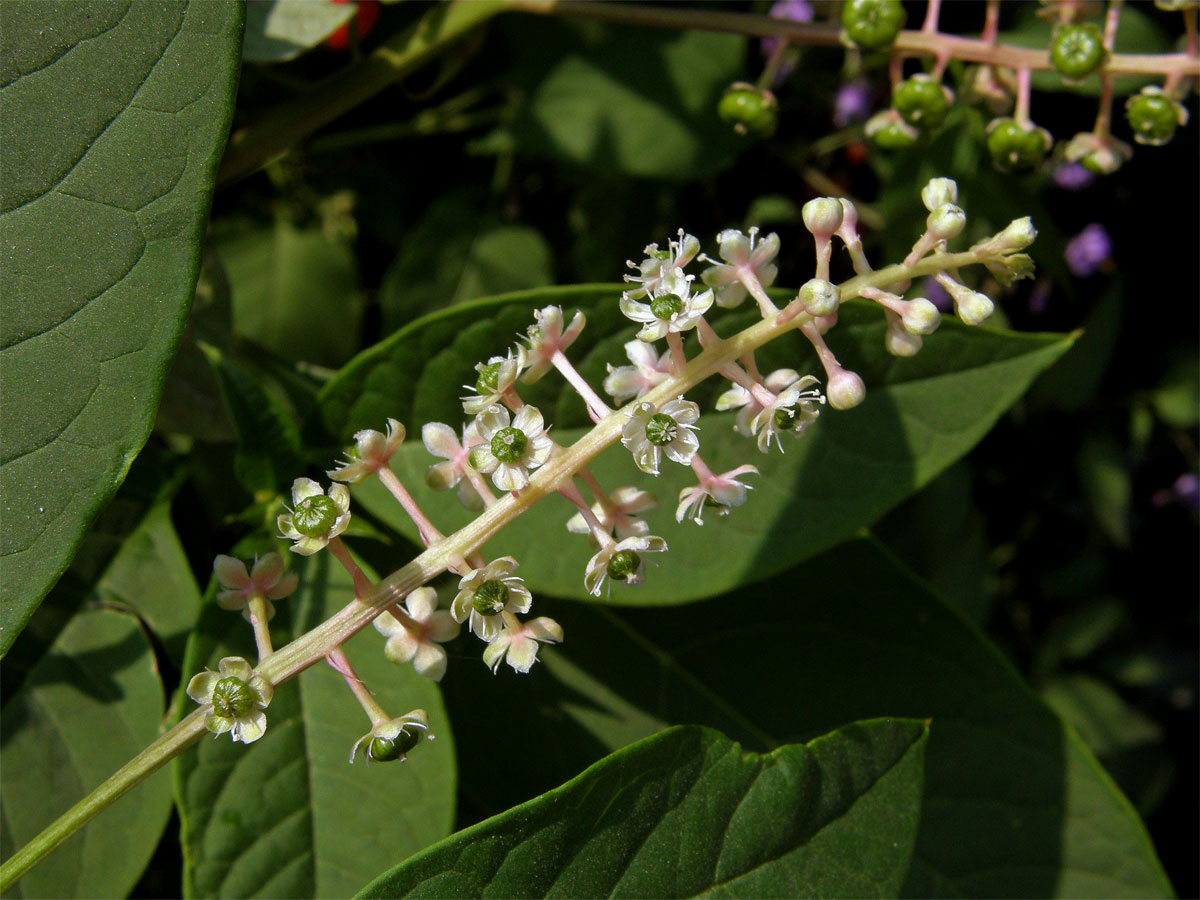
x=288 y=661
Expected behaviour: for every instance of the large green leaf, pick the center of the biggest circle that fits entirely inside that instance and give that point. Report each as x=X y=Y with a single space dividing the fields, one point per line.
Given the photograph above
x=920 y=415
x=688 y=813
x=288 y=816
x=90 y=703
x=1015 y=804
x=114 y=119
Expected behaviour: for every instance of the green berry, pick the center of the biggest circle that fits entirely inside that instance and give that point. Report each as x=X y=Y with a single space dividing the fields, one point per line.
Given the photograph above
x=232 y=698
x=509 y=444
x=624 y=565
x=661 y=429
x=491 y=598
x=383 y=749
x=666 y=306
x=315 y=515
x=1154 y=116
x=872 y=23
x=488 y=381
x=1014 y=148
x=1077 y=50
x=896 y=135
x=751 y=111
x=921 y=101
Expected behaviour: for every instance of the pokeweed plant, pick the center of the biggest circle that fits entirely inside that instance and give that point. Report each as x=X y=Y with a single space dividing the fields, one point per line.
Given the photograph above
x=862 y=809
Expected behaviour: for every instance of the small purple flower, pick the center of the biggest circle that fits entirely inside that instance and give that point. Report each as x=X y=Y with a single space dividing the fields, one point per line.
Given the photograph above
x=1073 y=177
x=852 y=103
x=937 y=295
x=1185 y=492
x=1088 y=250
x=794 y=11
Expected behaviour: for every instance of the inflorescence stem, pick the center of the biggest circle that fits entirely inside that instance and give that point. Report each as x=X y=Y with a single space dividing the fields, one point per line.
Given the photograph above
x=324 y=640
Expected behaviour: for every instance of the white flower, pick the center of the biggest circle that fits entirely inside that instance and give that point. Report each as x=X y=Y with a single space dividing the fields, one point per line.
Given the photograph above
x=371 y=453
x=672 y=306
x=651 y=432
x=393 y=738
x=724 y=490
x=737 y=396
x=621 y=561
x=547 y=337
x=660 y=262
x=649 y=369
x=496 y=376
x=418 y=638
x=618 y=513
x=517 y=642
x=747 y=260
x=508 y=452
x=266 y=580
x=485 y=593
x=315 y=519
x=440 y=440
x=794 y=409
x=238 y=695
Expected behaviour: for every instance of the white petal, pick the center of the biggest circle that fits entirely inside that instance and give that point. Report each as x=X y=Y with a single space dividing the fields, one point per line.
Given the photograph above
x=231 y=572
x=401 y=647
x=340 y=495
x=234 y=667
x=421 y=603
x=641 y=354
x=250 y=728
x=491 y=420
x=510 y=477
x=430 y=661
x=387 y=624
x=638 y=312
x=529 y=420
x=200 y=688
x=545 y=629
x=303 y=488
x=522 y=652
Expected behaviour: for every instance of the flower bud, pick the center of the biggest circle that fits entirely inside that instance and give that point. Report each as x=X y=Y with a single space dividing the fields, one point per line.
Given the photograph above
x=921 y=316
x=823 y=216
x=945 y=222
x=845 y=390
x=1019 y=234
x=973 y=307
x=898 y=341
x=939 y=192
x=820 y=297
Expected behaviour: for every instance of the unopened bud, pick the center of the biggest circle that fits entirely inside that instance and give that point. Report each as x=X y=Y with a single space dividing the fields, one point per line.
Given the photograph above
x=898 y=341
x=945 y=222
x=1019 y=234
x=820 y=297
x=823 y=216
x=845 y=390
x=973 y=307
x=921 y=317
x=939 y=192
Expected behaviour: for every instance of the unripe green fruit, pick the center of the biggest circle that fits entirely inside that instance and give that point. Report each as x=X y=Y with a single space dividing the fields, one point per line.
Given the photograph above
x=666 y=306
x=921 y=101
x=488 y=381
x=1077 y=50
x=623 y=565
x=873 y=23
x=661 y=429
x=491 y=598
x=509 y=444
x=232 y=698
x=314 y=516
x=1153 y=118
x=1014 y=148
x=751 y=111
x=383 y=749
x=894 y=136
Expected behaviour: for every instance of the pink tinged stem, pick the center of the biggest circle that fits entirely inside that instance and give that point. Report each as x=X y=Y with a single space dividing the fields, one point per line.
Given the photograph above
x=703 y=472
x=705 y=333
x=258 y=621
x=362 y=584
x=761 y=394
x=885 y=299
x=675 y=344
x=337 y=659
x=751 y=365
x=991 y=23
x=511 y=398
x=828 y=360
x=585 y=475
x=1104 y=115
x=932 y=11
x=571 y=492
x=1024 y=89
x=596 y=407
x=479 y=483
x=824 y=251
x=429 y=534
x=751 y=283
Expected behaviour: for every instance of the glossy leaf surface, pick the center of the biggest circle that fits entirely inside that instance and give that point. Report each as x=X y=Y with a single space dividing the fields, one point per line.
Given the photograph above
x=114 y=118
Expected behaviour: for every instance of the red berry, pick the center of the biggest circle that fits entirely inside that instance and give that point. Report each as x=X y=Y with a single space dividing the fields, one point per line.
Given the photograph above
x=366 y=17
